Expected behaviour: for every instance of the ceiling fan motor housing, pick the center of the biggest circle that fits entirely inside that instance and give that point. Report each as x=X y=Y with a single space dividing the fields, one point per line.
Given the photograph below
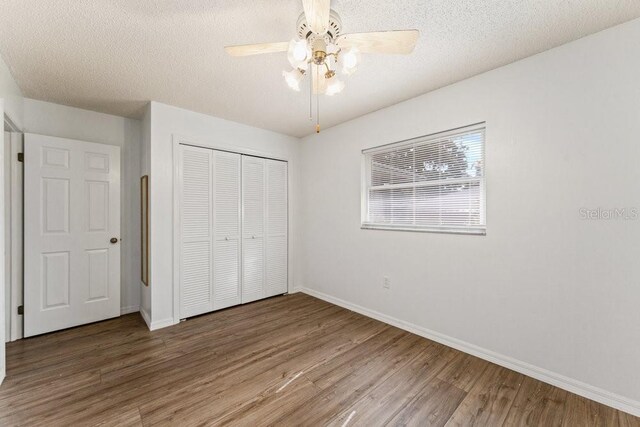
x=334 y=28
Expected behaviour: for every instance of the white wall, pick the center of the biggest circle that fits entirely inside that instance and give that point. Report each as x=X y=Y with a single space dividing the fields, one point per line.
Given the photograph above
x=46 y=118
x=543 y=289
x=145 y=168
x=11 y=93
x=167 y=121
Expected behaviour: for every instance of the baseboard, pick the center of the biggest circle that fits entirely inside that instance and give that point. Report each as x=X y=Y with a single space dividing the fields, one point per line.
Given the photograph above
x=129 y=309
x=159 y=324
x=574 y=386
x=146 y=317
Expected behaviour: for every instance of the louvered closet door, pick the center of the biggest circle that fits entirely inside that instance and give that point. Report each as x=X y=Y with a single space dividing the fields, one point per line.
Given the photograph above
x=253 y=202
x=226 y=208
x=196 y=218
x=276 y=228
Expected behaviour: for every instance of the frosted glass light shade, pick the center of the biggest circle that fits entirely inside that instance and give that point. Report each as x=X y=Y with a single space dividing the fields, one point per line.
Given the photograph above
x=334 y=87
x=350 y=61
x=293 y=78
x=298 y=54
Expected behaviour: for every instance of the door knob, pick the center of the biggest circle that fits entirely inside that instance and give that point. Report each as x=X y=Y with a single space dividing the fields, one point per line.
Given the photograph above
x=114 y=240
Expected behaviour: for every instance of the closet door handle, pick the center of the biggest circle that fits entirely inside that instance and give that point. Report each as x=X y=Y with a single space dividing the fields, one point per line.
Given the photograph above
x=226 y=238
x=253 y=237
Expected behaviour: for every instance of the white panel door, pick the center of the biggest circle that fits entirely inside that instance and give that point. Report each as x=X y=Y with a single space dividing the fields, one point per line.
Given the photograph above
x=226 y=211
x=71 y=215
x=276 y=228
x=196 y=224
x=253 y=225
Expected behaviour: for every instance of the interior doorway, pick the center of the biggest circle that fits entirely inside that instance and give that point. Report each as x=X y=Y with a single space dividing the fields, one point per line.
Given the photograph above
x=74 y=192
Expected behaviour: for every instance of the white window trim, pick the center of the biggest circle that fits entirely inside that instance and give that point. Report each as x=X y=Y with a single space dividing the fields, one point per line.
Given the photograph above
x=364 y=186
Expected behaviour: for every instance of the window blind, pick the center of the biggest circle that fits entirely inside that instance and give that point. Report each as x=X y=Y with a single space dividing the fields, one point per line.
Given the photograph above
x=431 y=183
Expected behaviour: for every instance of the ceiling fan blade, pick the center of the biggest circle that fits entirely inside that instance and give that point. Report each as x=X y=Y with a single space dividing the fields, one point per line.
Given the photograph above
x=399 y=42
x=317 y=14
x=256 y=49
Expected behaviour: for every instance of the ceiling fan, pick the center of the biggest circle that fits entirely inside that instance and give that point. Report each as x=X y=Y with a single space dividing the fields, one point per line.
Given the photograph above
x=321 y=50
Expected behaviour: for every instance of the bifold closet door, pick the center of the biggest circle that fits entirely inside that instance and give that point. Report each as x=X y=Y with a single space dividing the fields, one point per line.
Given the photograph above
x=276 y=228
x=196 y=230
x=226 y=224
x=253 y=210
x=233 y=229
x=209 y=204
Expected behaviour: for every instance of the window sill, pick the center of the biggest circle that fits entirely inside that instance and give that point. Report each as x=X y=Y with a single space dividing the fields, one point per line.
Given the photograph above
x=480 y=231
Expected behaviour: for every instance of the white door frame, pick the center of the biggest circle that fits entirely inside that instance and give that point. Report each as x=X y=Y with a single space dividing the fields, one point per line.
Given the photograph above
x=13 y=290
x=222 y=146
x=17 y=244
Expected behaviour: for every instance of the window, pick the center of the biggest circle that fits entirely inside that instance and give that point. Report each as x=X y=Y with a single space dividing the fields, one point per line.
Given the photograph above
x=430 y=183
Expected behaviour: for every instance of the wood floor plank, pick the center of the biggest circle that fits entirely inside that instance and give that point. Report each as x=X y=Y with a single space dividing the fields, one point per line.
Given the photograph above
x=347 y=378
x=73 y=349
x=130 y=418
x=99 y=359
x=266 y=409
x=464 y=371
x=384 y=402
x=433 y=406
x=489 y=400
x=292 y=360
x=72 y=340
x=536 y=404
x=627 y=420
x=584 y=412
x=23 y=397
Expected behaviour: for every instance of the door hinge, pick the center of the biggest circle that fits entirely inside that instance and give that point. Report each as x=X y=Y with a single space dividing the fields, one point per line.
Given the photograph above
x=21 y=157
x=21 y=309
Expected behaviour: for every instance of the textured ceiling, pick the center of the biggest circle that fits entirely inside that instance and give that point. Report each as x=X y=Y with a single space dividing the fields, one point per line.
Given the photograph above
x=115 y=55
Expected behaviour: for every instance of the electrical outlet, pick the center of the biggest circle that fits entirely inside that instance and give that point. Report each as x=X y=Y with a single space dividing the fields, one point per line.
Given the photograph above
x=386 y=283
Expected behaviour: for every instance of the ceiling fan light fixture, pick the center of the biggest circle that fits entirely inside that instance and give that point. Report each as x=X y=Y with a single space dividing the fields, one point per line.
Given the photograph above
x=320 y=50
x=293 y=78
x=298 y=53
x=335 y=87
x=350 y=61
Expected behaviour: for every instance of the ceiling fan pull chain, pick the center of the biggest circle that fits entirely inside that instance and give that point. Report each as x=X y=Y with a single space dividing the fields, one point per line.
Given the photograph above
x=310 y=93
x=318 y=100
